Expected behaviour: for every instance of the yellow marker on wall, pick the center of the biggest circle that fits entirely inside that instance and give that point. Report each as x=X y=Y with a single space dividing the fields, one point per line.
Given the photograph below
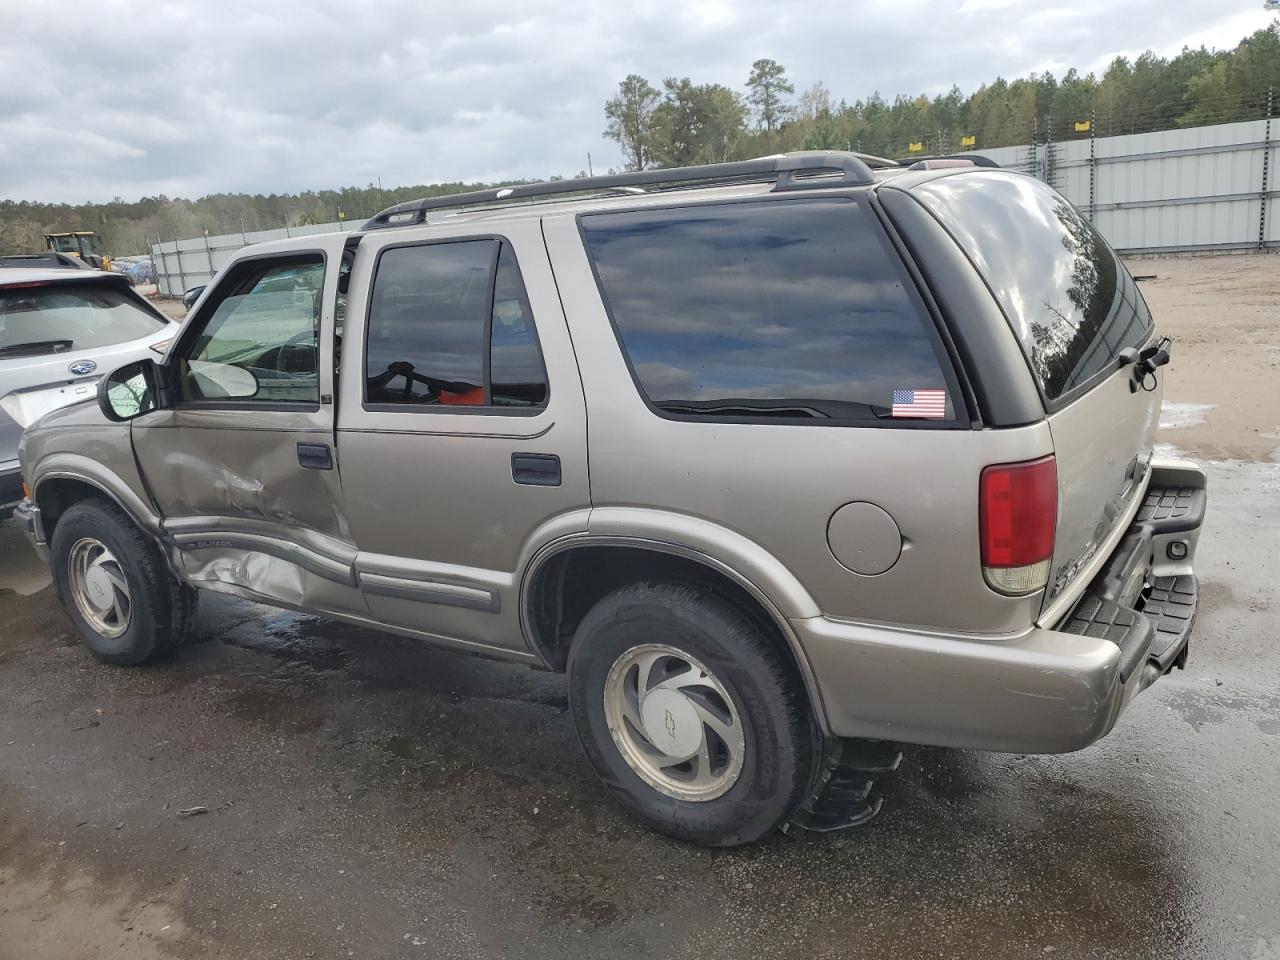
x=914 y=147
x=1082 y=126
x=968 y=141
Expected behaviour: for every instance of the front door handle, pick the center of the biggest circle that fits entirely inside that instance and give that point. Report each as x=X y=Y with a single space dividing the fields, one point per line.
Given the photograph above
x=536 y=469
x=315 y=456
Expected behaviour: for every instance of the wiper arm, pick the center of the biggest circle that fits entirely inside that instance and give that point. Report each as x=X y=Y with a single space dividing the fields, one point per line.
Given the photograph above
x=797 y=409
x=35 y=347
x=1145 y=362
x=730 y=409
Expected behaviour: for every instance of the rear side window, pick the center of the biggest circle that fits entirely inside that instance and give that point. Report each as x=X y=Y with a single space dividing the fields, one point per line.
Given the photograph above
x=770 y=309
x=1070 y=300
x=450 y=325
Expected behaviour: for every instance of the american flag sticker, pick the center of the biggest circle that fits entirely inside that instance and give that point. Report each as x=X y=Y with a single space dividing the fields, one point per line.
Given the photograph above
x=926 y=404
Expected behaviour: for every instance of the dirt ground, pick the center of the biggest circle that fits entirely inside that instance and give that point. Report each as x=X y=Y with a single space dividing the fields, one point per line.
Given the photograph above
x=1224 y=376
x=171 y=307
x=368 y=796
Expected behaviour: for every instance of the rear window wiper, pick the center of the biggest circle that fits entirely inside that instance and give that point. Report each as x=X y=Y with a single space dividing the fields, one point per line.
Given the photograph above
x=1145 y=361
x=767 y=409
x=35 y=348
x=737 y=409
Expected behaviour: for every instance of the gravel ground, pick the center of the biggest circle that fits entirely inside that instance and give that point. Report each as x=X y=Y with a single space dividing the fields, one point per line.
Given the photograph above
x=370 y=797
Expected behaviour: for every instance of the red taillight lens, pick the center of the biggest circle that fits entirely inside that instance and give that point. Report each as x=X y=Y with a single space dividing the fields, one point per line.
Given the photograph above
x=1017 y=517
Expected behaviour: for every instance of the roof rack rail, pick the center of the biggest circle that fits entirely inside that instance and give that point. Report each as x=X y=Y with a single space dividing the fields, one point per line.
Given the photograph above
x=977 y=159
x=792 y=171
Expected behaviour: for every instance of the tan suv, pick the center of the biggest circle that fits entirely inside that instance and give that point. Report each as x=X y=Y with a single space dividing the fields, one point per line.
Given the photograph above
x=783 y=461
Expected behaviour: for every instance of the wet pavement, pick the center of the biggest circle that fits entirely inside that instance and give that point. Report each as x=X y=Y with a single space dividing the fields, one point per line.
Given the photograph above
x=370 y=797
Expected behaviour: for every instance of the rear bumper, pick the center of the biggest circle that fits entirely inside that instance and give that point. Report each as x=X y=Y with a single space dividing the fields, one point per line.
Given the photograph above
x=1045 y=691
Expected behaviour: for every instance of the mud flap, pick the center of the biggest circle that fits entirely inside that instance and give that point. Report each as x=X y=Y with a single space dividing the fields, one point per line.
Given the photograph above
x=844 y=795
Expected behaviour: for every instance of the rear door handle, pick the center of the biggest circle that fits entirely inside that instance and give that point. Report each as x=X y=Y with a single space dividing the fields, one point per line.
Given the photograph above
x=536 y=469
x=315 y=456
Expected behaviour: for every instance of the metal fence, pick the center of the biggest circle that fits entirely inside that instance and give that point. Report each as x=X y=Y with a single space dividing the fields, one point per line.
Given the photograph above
x=1195 y=190
x=183 y=264
x=1201 y=189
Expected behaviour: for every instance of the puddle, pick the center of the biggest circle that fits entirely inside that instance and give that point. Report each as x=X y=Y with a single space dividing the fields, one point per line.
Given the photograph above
x=1167 y=451
x=20 y=568
x=1176 y=415
x=1200 y=707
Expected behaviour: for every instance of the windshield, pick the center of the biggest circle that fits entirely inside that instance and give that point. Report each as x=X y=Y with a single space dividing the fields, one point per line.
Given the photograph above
x=79 y=316
x=71 y=244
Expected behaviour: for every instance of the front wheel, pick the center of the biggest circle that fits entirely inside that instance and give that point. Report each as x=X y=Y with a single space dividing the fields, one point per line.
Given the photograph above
x=690 y=714
x=125 y=604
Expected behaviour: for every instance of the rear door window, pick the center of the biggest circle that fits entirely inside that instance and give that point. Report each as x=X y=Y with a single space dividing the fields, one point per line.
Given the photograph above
x=790 y=309
x=450 y=325
x=1066 y=294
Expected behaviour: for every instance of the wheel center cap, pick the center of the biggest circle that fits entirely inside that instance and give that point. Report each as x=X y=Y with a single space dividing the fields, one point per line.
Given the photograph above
x=671 y=723
x=98 y=586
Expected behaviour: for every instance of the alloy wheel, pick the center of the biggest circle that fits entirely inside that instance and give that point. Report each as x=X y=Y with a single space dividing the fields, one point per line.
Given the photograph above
x=674 y=722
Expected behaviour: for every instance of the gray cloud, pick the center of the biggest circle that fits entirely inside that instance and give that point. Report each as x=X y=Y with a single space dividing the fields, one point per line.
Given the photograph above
x=192 y=98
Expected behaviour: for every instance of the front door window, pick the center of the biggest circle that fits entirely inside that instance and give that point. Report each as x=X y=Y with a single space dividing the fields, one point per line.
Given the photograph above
x=261 y=342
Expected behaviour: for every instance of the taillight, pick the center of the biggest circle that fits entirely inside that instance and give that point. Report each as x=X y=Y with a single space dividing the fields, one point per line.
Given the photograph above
x=1017 y=517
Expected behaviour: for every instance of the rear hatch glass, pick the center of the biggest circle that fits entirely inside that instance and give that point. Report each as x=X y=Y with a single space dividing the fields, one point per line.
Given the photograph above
x=1074 y=307
x=1070 y=300
x=38 y=320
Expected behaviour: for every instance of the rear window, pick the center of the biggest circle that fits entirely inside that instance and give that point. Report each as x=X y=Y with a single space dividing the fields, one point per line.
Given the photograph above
x=1070 y=300
x=767 y=309
x=40 y=320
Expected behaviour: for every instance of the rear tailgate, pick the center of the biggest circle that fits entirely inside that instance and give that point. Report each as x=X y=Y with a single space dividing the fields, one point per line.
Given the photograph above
x=1102 y=442
x=1074 y=309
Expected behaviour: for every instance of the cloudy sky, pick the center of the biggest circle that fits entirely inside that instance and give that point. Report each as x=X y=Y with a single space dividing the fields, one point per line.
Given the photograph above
x=113 y=98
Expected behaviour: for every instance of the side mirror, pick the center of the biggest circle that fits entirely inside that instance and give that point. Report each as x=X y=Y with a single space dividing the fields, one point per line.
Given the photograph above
x=190 y=297
x=222 y=381
x=129 y=392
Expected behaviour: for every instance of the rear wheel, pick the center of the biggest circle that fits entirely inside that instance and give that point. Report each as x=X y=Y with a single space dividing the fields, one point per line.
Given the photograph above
x=690 y=714
x=124 y=602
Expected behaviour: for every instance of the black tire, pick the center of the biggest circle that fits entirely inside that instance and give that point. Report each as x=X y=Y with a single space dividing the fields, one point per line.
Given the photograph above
x=780 y=742
x=161 y=608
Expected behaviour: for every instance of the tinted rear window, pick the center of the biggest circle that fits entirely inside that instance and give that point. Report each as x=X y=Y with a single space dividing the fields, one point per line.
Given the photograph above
x=450 y=324
x=71 y=316
x=1070 y=300
x=790 y=309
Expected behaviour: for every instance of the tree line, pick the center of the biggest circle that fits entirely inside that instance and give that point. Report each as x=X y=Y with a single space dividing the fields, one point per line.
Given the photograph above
x=685 y=122
x=125 y=226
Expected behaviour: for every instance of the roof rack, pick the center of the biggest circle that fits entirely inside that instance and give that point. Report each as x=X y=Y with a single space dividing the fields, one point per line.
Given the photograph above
x=792 y=171
x=977 y=159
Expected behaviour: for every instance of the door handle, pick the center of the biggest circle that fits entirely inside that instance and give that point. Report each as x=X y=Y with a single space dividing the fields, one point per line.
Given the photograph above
x=536 y=469
x=315 y=456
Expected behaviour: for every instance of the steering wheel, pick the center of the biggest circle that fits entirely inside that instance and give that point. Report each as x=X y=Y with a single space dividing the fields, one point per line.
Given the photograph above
x=303 y=338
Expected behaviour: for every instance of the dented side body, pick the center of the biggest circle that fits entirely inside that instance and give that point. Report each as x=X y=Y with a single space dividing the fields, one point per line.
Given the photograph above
x=417 y=524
